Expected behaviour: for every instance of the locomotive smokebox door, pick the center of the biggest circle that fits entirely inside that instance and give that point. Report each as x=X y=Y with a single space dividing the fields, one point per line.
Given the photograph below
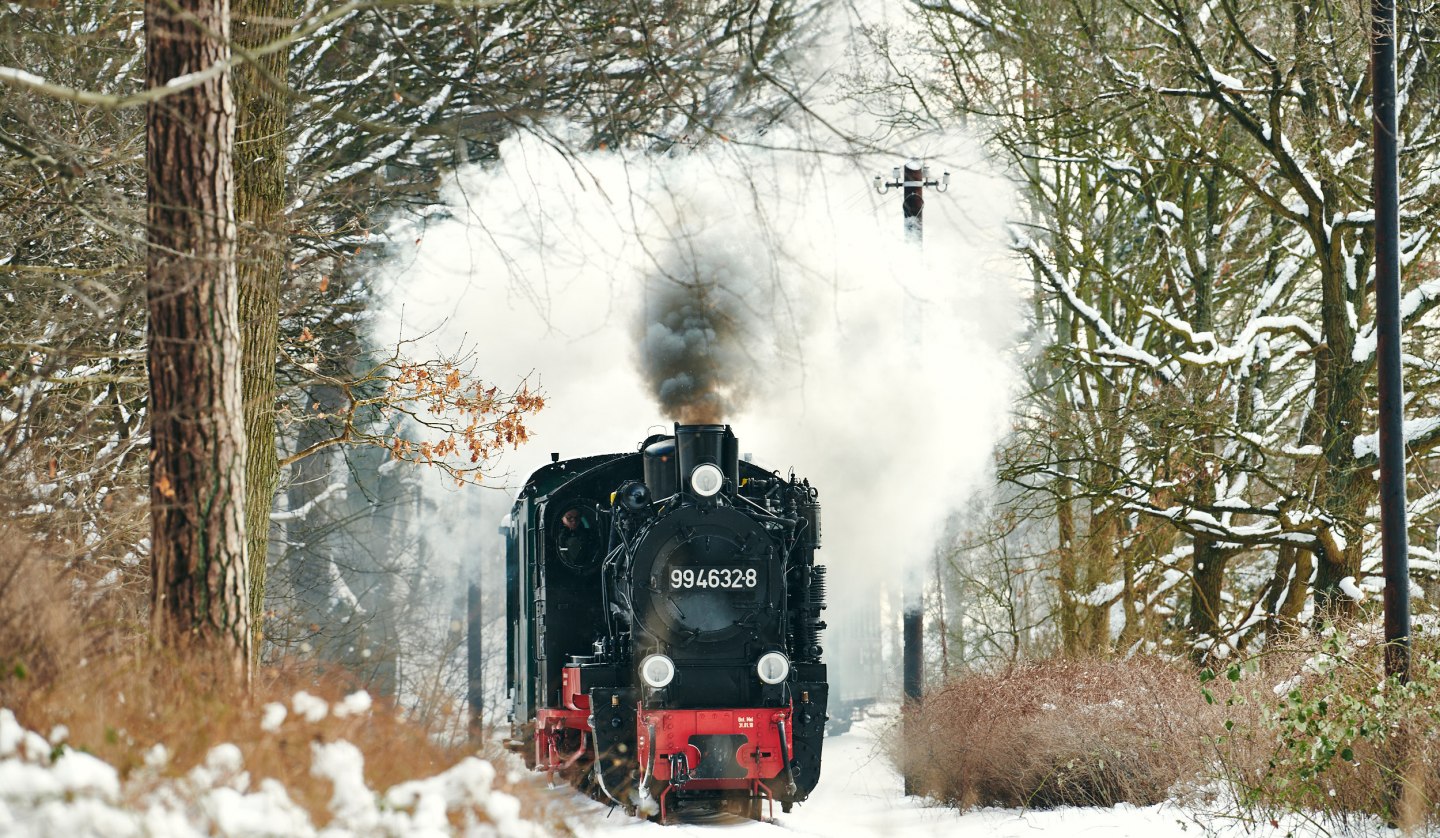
x=703 y=578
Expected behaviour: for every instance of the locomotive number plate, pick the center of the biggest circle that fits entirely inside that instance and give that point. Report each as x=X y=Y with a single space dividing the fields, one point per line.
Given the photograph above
x=714 y=577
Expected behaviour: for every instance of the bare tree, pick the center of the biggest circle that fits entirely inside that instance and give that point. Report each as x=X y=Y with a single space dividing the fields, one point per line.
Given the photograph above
x=73 y=419
x=1198 y=191
x=344 y=116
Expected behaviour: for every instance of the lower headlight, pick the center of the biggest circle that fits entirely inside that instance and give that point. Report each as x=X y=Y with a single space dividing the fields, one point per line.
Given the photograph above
x=773 y=667
x=659 y=670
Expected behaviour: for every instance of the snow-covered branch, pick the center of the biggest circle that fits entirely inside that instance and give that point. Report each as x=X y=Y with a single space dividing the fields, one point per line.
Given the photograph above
x=309 y=506
x=1114 y=345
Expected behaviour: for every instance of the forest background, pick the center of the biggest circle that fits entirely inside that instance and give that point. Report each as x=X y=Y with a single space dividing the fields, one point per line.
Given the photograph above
x=1190 y=469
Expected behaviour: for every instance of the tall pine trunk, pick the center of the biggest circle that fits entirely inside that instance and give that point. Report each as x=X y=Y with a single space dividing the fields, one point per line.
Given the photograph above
x=263 y=113
x=197 y=480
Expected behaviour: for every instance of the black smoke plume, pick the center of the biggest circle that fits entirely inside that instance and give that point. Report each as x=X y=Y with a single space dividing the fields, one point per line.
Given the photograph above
x=693 y=338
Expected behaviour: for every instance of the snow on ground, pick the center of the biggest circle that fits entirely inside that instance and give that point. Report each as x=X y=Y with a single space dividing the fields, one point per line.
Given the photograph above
x=47 y=789
x=860 y=795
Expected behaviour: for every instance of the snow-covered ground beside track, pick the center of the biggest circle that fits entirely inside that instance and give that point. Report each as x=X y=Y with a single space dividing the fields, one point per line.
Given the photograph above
x=860 y=795
x=48 y=790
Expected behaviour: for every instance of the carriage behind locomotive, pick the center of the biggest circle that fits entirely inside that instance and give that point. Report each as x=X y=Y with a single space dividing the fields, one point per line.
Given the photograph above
x=663 y=625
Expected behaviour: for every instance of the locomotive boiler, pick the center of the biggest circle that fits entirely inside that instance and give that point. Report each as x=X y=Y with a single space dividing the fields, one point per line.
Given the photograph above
x=664 y=626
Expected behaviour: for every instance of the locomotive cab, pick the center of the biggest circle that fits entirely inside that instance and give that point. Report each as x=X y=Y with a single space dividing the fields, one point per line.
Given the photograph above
x=664 y=625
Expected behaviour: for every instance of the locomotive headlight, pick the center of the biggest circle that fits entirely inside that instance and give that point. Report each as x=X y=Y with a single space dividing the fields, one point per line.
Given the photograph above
x=773 y=667
x=657 y=670
x=706 y=479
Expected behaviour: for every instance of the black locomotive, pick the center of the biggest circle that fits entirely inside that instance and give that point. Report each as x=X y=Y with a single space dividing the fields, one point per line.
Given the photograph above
x=664 y=619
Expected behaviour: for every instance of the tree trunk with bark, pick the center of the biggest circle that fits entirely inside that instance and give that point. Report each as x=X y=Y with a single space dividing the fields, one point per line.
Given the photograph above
x=263 y=112
x=1345 y=489
x=1068 y=570
x=1207 y=582
x=1207 y=579
x=197 y=480
x=1289 y=589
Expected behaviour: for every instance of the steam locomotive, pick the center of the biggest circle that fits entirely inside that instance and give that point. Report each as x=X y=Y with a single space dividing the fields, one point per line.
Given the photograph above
x=663 y=611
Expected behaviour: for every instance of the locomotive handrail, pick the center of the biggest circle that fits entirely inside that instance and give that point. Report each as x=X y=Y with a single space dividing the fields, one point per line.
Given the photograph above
x=762 y=510
x=649 y=761
x=612 y=553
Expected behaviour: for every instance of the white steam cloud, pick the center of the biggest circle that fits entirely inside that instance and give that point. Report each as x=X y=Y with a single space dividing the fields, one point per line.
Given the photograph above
x=771 y=290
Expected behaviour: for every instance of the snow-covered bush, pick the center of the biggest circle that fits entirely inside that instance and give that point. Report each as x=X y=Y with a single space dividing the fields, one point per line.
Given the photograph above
x=1317 y=727
x=1061 y=733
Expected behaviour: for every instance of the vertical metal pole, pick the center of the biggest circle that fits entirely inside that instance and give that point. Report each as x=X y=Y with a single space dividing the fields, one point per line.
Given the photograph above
x=474 y=640
x=913 y=585
x=913 y=623
x=1393 y=546
x=914 y=629
x=475 y=660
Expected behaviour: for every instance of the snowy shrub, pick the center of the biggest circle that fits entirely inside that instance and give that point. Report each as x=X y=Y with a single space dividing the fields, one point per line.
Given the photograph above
x=1330 y=734
x=1060 y=733
x=46 y=789
x=39 y=639
x=152 y=743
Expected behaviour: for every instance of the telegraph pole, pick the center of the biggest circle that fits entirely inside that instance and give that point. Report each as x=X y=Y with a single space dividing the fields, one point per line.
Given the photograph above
x=1393 y=538
x=914 y=180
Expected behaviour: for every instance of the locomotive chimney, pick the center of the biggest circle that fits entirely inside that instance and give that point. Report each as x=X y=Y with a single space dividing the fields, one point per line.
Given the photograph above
x=713 y=444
